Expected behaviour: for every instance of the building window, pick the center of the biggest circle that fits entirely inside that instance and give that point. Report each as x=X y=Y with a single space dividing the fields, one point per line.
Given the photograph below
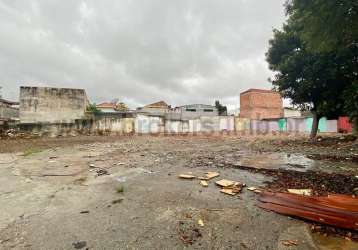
x=208 y=110
x=191 y=110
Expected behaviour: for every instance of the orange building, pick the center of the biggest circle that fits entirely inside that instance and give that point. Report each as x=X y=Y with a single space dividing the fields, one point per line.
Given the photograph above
x=261 y=104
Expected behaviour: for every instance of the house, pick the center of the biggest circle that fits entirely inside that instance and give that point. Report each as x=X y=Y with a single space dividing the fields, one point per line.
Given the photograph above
x=194 y=111
x=51 y=105
x=261 y=104
x=107 y=107
x=8 y=110
x=159 y=108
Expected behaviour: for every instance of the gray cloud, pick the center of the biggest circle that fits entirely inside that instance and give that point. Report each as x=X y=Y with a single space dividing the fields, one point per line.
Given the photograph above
x=182 y=51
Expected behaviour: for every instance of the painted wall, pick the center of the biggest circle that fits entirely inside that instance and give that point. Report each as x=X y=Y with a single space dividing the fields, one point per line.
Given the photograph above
x=297 y=125
x=145 y=124
x=344 y=125
x=282 y=125
x=194 y=126
x=114 y=125
x=210 y=124
x=264 y=126
x=242 y=124
x=227 y=123
x=51 y=105
x=331 y=126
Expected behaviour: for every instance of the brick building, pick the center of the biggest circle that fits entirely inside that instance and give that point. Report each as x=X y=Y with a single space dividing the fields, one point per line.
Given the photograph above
x=261 y=104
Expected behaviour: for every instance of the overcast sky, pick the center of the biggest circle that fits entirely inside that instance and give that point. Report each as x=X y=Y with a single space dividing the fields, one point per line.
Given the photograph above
x=179 y=51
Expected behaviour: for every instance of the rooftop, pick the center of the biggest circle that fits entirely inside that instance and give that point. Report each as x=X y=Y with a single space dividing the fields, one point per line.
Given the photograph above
x=160 y=104
x=106 y=105
x=259 y=90
x=8 y=102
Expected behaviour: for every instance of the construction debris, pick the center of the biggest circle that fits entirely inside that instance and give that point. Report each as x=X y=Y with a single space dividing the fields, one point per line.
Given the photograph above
x=228 y=191
x=187 y=176
x=225 y=183
x=254 y=189
x=289 y=243
x=201 y=222
x=307 y=192
x=204 y=183
x=336 y=210
x=230 y=187
x=209 y=176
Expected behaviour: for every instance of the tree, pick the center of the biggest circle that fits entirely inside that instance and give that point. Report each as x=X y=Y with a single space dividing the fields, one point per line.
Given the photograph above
x=121 y=106
x=92 y=108
x=332 y=27
x=221 y=109
x=308 y=79
x=328 y=25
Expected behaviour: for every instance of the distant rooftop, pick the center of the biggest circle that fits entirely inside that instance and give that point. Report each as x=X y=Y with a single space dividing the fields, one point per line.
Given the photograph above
x=259 y=90
x=8 y=102
x=160 y=104
x=106 y=105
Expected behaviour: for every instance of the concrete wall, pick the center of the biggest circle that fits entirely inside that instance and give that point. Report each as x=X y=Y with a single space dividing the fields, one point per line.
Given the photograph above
x=210 y=124
x=227 y=123
x=297 y=125
x=194 y=126
x=291 y=113
x=51 y=105
x=145 y=124
x=242 y=124
x=265 y=126
x=332 y=126
x=176 y=126
x=114 y=125
x=196 y=111
x=259 y=104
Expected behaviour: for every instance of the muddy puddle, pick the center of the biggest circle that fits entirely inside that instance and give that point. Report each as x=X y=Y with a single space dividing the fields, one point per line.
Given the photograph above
x=333 y=243
x=297 y=162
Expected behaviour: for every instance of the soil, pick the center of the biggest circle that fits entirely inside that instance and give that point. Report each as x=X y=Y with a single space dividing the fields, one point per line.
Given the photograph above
x=112 y=192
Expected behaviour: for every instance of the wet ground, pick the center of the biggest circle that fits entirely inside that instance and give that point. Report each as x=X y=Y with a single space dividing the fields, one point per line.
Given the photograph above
x=124 y=193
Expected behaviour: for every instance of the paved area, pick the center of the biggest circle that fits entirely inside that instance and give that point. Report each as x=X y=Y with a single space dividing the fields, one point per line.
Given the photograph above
x=124 y=193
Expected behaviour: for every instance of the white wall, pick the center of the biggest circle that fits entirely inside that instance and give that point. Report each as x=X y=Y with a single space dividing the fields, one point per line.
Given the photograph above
x=149 y=124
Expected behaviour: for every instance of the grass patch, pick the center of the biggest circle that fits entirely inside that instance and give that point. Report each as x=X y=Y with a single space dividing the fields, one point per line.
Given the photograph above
x=120 y=189
x=31 y=151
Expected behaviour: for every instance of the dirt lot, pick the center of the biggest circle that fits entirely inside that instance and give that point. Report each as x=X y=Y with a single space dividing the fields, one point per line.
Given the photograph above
x=124 y=192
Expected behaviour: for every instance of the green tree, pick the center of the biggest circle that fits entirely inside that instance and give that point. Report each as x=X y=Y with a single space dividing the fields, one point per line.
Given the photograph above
x=121 y=106
x=92 y=108
x=221 y=109
x=332 y=27
x=308 y=79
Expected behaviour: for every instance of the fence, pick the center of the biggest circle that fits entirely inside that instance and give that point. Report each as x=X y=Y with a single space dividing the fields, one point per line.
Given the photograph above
x=156 y=124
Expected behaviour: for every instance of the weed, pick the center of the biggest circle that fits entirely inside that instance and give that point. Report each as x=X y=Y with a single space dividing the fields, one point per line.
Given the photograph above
x=31 y=151
x=120 y=189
